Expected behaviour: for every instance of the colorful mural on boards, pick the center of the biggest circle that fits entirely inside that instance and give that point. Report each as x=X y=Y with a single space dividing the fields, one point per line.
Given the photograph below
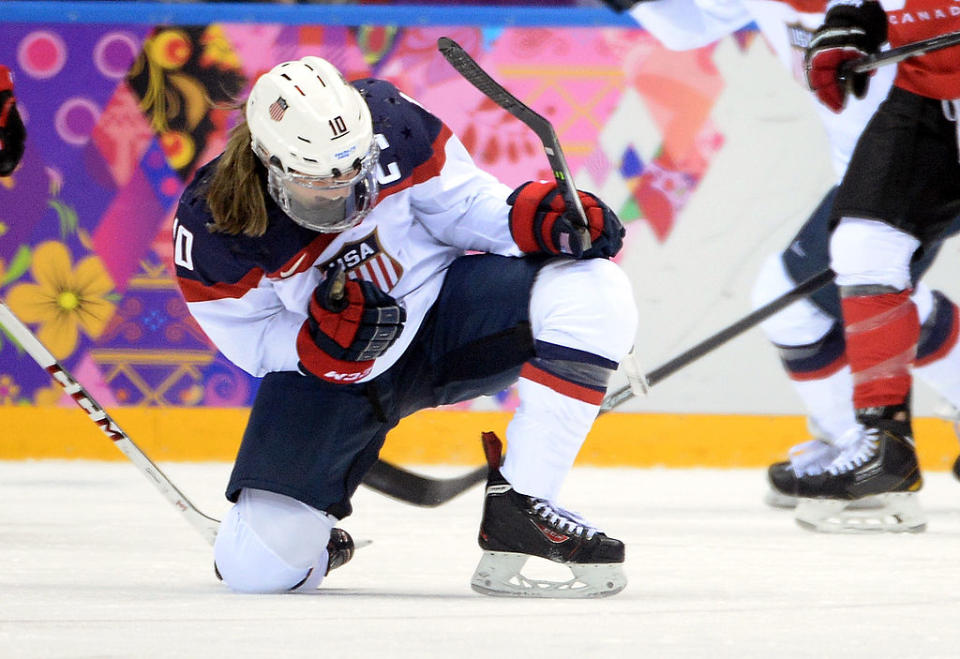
x=118 y=120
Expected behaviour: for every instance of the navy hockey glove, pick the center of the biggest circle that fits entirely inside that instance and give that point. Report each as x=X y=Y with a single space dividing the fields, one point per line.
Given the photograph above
x=349 y=324
x=12 y=133
x=539 y=224
x=852 y=29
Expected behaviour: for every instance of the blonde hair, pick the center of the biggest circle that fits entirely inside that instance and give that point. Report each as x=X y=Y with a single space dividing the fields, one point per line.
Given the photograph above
x=235 y=191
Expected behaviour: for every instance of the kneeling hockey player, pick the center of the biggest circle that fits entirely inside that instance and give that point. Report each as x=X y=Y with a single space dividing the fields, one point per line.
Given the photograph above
x=326 y=251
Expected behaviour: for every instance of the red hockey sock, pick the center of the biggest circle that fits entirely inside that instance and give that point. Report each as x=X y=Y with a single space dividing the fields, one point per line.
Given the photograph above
x=881 y=335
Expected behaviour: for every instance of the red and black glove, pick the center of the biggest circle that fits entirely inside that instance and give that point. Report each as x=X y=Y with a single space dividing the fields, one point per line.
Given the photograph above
x=349 y=324
x=852 y=29
x=12 y=133
x=539 y=223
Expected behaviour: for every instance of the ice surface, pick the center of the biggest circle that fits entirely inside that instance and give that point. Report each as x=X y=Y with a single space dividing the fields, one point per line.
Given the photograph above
x=95 y=563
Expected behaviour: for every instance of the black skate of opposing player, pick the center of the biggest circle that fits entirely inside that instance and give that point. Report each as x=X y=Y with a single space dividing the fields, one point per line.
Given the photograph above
x=881 y=464
x=811 y=458
x=515 y=527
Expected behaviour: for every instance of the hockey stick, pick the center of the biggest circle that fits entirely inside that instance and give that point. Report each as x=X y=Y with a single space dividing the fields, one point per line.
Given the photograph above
x=802 y=290
x=206 y=525
x=476 y=76
x=894 y=55
x=419 y=490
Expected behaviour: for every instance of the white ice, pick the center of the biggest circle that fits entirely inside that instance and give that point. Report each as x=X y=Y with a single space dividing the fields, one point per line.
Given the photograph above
x=95 y=563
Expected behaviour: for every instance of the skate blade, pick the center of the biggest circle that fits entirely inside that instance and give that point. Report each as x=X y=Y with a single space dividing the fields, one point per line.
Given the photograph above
x=775 y=499
x=898 y=512
x=498 y=574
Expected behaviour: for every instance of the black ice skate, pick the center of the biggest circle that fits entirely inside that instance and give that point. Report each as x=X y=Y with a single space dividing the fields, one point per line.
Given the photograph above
x=810 y=458
x=881 y=463
x=515 y=527
x=340 y=548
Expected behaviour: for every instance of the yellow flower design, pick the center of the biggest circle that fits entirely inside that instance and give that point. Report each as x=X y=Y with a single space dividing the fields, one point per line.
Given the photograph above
x=64 y=299
x=8 y=390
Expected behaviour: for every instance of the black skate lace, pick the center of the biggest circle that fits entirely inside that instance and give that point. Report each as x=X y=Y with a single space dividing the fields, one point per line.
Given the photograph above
x=564 y=520
x=864 y=450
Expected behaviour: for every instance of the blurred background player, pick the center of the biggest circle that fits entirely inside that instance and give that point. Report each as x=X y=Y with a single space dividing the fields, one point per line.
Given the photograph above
x=900 y=191
x=12 y=133
x=809 y=333
x=324 y=251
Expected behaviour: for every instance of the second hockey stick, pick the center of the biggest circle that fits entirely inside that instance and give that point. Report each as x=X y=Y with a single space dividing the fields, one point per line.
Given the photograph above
x=901 y=53
x=206 y=525
x=802 y=290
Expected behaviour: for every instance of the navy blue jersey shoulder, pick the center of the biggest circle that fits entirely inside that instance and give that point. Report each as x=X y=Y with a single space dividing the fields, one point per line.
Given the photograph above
x=408 y=130
x=222 y=258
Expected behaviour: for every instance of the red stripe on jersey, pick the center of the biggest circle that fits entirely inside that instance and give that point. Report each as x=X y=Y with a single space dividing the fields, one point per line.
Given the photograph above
x=427 y=170
x=194 y=291
x=561 y=386
x=881 y=335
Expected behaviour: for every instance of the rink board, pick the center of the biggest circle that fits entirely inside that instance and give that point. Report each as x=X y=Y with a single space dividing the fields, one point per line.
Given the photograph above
x=442 y=437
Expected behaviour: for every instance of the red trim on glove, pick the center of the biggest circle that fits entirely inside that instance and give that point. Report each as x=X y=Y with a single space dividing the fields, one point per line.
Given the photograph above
x=326 y=367
x=523 y=215
x=341 y=326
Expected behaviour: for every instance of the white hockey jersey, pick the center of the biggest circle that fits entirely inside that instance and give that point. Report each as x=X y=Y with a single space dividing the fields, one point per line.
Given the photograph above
x=250 y=295
x=787 y=27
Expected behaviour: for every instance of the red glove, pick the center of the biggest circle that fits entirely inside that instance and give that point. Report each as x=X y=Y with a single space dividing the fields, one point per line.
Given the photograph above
x=12 y=133
x=852 y=29
x=539 y=223
x=349 y=324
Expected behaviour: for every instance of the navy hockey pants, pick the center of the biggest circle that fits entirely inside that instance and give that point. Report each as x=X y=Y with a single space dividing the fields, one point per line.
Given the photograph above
x=314 y=440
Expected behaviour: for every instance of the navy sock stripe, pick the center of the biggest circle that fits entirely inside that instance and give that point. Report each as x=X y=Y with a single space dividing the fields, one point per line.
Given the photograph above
x=545 y=350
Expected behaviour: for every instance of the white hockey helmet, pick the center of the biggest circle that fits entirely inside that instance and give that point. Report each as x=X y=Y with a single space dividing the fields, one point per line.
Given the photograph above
x=313 y=132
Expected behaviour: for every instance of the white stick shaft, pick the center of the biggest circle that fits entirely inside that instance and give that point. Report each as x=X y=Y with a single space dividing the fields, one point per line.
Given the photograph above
x=207 y=526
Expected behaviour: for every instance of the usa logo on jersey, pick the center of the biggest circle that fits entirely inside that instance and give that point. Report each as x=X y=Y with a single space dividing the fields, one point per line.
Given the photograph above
x=366 y=259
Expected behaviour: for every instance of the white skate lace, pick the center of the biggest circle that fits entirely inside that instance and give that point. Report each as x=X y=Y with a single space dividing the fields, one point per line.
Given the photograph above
x=855 y=450
x=812 y=457
x=564 y=520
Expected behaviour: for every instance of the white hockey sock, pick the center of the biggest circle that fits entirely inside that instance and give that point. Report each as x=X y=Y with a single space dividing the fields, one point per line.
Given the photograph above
x=829 y=402
x=543 y=439
x=584 y=319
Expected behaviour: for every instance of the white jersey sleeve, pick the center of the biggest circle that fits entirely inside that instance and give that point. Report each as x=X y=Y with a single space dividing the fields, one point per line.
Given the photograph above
x=688 y=24
x=465 y=206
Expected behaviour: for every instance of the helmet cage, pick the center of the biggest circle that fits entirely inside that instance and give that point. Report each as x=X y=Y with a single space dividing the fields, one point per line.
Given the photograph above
x=326 y=204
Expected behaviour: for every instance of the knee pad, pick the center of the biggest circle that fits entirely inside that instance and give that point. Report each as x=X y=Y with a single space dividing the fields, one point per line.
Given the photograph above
x=271 y=543
x=938 y=331
x=800 y=324
x=586 y=305
x=869 y=252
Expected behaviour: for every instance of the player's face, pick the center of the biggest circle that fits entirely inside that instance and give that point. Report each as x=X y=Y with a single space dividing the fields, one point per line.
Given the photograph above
x=330 y=189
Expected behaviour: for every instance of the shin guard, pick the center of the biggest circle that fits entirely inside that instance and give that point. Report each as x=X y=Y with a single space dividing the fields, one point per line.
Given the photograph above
x=882 y=330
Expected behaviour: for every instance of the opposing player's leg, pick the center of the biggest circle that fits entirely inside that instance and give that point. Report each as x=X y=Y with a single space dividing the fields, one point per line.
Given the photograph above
x=808 y=336
x=881 y=327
